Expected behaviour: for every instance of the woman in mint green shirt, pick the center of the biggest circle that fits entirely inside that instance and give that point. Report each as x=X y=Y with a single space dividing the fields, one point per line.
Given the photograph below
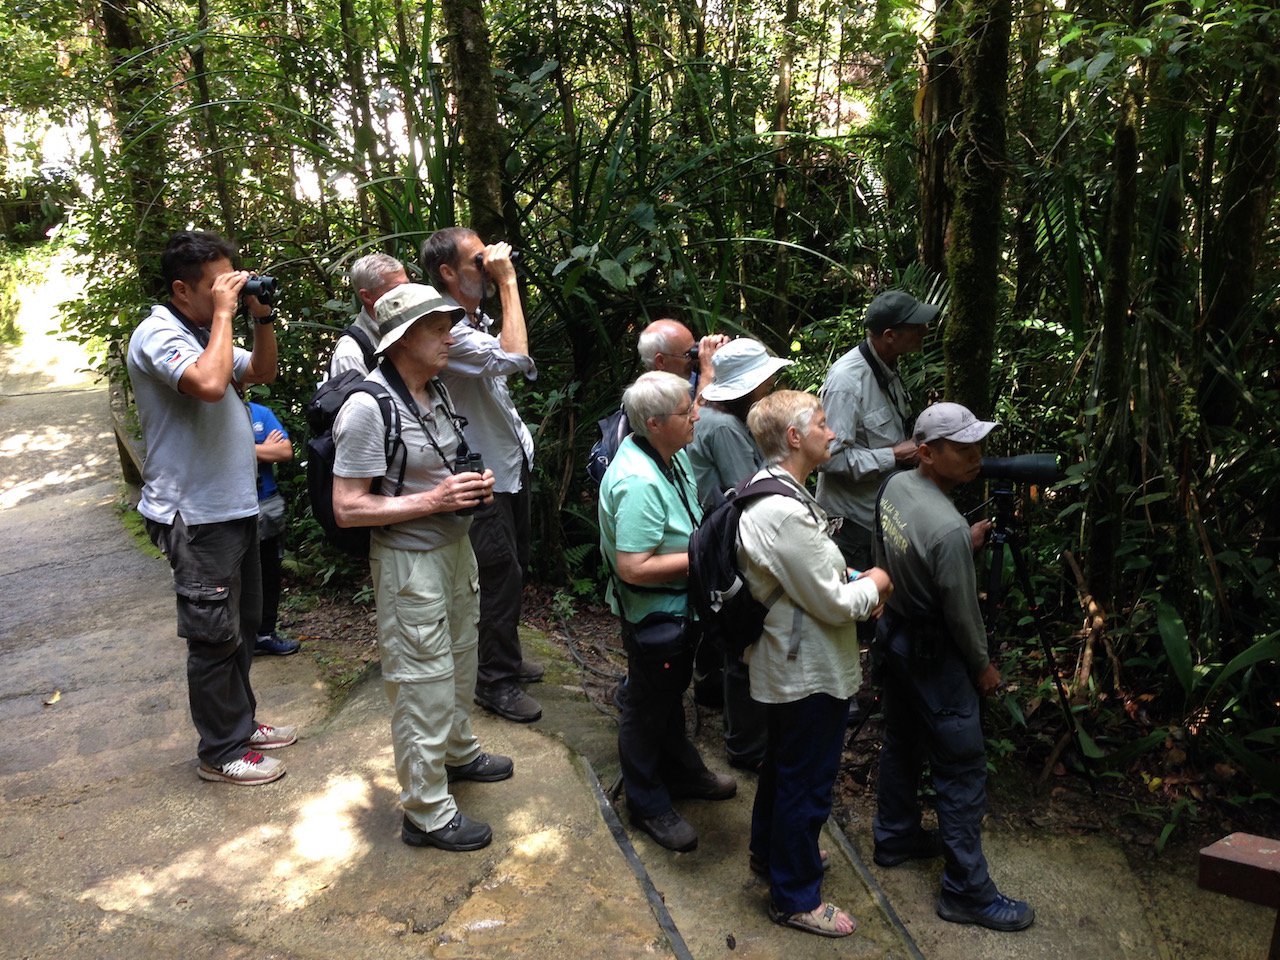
x=648 y=509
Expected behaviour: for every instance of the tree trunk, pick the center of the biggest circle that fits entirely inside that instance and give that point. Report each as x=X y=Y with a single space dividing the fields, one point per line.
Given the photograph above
x=1231 y=258
x=136 y=99
x=407 y=51
x=781 y=124
x=468 y=47
x=644 y=125
x=1110 y=441
x=366 y=138
x=938 y=105
x=212 y=139
x=1030 y=108
x=973 y=258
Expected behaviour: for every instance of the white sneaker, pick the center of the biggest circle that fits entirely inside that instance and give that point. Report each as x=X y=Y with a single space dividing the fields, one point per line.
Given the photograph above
x=250 y=770
x=267 y=737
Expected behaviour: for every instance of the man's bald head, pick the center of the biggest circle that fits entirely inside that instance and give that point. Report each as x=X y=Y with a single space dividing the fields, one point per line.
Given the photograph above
x=665 y=345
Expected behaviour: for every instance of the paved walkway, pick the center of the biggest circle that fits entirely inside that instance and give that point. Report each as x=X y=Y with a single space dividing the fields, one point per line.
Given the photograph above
x=111 y=847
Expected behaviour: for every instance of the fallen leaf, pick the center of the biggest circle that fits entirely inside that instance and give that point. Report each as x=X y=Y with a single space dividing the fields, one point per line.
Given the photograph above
x=53 y=698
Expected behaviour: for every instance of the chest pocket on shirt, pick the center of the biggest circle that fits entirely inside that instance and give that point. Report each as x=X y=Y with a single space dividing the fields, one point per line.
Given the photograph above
x=880 y=424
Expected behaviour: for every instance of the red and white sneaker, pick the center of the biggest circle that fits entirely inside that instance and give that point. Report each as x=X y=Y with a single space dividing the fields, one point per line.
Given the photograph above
x=267 y=737
x=250 y=770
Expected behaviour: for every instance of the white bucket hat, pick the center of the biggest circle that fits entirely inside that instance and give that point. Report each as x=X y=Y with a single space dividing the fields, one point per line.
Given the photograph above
x=740 y=366
x=400 y=306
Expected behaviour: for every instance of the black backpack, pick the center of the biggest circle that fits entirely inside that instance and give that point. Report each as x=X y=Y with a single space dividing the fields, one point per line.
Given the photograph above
x=613 y=430
x=717 y=587
x=322 y=410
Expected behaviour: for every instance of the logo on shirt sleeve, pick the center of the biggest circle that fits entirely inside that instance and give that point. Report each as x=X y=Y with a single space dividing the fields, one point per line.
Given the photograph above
x=171 y=358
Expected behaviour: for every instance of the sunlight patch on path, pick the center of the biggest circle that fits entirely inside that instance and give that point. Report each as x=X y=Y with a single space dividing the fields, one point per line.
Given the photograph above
x=45 y=359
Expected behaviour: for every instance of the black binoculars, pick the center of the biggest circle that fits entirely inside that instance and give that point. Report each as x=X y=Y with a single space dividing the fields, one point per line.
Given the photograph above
x=264 y=288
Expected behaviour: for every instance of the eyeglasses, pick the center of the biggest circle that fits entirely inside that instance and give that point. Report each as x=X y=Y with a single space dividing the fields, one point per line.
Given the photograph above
x=687 y=414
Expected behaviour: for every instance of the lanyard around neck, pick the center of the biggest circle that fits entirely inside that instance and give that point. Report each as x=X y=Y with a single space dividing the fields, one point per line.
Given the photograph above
x=673 y=474
x=900 y=399
x=397 y=384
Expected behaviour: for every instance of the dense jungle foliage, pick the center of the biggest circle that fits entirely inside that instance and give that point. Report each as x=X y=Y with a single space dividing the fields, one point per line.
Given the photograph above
x=1088 y=187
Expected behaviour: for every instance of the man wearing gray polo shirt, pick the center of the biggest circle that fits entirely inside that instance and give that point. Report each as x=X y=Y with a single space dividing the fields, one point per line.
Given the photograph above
x=458 y=262
x=199 y=492
x=869 y=409
x=423 y=568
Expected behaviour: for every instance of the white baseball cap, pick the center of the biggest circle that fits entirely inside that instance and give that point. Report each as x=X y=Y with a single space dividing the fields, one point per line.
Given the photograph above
x=400 y=306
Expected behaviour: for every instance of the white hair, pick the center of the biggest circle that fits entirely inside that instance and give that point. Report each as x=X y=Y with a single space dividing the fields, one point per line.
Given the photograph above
x=654 y=394
x=655 y=339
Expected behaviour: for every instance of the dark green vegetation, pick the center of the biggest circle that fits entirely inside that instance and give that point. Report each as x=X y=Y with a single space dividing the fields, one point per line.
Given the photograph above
x=1090 y=187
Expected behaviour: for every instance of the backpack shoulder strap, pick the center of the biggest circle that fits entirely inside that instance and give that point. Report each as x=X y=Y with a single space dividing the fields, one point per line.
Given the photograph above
x=750 y=490
x=765 y=486
x=367 y=346
x=391 y=423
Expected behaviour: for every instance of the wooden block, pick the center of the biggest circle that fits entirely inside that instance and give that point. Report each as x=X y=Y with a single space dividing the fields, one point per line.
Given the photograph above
x=1243 y=866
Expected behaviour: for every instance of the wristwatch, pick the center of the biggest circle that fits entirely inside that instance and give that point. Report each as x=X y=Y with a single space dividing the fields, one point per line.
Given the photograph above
x=270 y=317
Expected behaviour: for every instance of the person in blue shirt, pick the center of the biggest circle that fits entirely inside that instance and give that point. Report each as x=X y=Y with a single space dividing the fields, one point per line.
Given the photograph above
x=271 y=446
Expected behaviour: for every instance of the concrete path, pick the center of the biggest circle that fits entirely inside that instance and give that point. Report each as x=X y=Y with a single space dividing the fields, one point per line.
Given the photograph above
x=111 y=847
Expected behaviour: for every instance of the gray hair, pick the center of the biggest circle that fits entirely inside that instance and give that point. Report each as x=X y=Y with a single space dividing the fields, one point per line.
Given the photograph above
x=772 y=415
x=371 y=271
x=654 y=394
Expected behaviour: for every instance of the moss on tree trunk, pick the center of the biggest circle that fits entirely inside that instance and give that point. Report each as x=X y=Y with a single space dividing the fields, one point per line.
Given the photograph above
x=978 y=172
x=482 y=136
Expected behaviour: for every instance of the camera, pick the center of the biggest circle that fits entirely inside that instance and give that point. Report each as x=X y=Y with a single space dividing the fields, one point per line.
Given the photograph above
x=263 y=287
x=1027 y=468
x=468 y=462
x=692 y=354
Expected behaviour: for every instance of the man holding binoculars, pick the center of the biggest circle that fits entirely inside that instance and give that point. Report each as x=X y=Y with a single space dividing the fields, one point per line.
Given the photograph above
x=462 y=266
x=199 y=497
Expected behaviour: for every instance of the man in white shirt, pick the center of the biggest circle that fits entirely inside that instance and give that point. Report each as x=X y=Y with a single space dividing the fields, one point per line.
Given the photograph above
x=462 y=266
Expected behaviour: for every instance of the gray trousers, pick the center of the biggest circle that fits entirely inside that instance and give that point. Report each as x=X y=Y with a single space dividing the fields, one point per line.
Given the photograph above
x=932 y=711
x=217 y=578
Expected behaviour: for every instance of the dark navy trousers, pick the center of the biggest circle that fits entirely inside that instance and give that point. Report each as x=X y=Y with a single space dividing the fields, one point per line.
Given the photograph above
x=793 y=797
x=500 y=538
x=932 y=711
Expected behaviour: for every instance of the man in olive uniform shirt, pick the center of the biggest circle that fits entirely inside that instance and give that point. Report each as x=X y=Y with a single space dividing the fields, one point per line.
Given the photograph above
x=932 y=651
